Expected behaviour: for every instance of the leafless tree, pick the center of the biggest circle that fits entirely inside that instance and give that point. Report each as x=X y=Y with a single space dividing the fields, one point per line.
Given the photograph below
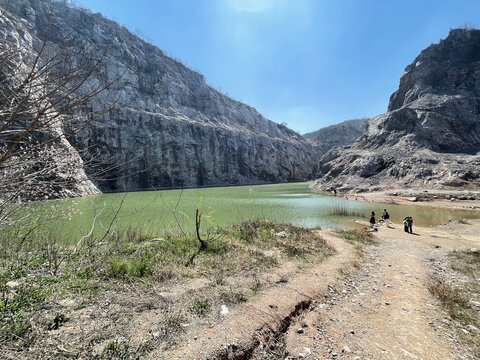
x=45 y=89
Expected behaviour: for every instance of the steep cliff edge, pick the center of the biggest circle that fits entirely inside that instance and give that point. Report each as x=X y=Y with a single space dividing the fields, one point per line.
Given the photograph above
x=430 y=135
x=169 y=127
x=344 y=133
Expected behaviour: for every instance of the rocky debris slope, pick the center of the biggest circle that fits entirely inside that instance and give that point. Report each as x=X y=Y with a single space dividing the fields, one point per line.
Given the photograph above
x=344 y=133
x=169 y=127
x=430 y=135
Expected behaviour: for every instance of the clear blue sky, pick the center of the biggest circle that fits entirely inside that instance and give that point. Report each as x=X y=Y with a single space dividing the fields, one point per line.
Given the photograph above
x=309 y=63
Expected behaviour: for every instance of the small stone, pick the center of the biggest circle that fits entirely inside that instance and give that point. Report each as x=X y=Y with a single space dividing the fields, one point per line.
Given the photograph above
x=472 y=328
x=346 y=349
x=281 y=234
x=224 y=310
x=195 y=337
x=476 y=303
x=156 y=334
x=472 y=250
x=300 y=330
x=465 y=331
x=305 y=353
x=12 y=284
x=352 y=332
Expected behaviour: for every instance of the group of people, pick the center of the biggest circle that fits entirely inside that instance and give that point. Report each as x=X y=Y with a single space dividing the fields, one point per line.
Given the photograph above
x=407 y=222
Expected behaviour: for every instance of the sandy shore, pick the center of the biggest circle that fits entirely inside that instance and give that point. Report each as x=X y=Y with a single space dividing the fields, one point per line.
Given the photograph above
x=434 y=199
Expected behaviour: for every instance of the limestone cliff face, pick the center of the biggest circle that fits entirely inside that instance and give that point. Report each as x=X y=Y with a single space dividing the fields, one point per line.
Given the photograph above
x=344 y=133
x=430 y=135
x=169 y=128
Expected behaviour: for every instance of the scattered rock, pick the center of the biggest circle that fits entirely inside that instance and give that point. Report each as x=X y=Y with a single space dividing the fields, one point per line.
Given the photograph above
x=412 y=199
x=472 y=328
x=12 y=284
x=281 y=234
x=305 y=353
x=224 y=310
x=346 y=349
x=476 y=303
x=300 y=331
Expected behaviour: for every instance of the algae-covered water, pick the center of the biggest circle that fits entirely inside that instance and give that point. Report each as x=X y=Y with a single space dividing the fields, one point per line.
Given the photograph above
x=292 y=203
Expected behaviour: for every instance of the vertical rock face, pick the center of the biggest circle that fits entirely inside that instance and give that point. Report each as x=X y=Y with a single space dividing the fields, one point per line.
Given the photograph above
x=430 y=135
x=344 y=133
x=168 y=128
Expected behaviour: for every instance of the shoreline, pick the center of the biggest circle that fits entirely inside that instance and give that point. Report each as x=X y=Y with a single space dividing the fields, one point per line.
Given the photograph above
x=433 y=199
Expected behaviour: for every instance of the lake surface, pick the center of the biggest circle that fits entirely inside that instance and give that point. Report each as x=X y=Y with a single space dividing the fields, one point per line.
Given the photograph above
x=293 y=203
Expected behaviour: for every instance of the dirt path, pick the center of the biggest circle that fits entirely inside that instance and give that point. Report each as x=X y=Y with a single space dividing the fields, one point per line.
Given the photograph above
x=248 y=331
x=382 y=310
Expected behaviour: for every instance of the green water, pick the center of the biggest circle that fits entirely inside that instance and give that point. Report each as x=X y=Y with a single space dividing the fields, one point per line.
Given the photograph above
x=293 y=203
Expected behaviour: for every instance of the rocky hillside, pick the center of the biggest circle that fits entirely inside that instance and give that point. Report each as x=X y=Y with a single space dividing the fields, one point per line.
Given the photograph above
x=430 y=135
x=168 y=128
x=344 y=133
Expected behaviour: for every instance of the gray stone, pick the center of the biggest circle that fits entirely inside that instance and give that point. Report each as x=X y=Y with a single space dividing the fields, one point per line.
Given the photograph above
x=345 y=133
x=430 y=135
x=169 y=128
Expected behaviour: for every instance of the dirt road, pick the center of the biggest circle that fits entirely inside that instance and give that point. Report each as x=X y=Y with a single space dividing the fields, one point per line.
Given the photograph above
x=378 y=309
x=384 y=311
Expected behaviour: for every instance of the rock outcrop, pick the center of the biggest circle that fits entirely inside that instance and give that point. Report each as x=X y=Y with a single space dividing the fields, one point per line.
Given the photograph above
x=342 y=134
x=168 y=128
x=430 y=135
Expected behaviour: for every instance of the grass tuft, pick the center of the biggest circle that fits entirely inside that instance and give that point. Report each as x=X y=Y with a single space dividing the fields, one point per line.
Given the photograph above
x=357 y=236
x=456 y=297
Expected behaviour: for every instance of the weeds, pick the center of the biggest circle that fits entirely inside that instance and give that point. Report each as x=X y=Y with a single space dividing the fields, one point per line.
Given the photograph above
x=357 y=236
x=16 y=307
x=44 y=269
x=233 y=297
x=457 y=298
x=200 y=307
x=117 y=350
x=342 y=208
x=57 y=321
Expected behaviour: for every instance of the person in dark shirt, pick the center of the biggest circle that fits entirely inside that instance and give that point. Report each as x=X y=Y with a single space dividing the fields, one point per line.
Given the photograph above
x=405 y=224
x=410 y=224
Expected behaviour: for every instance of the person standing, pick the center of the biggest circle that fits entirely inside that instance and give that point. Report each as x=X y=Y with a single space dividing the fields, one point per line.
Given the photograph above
x=410 y=224
x=372 y=219
x=386 y=217
x=405 y=224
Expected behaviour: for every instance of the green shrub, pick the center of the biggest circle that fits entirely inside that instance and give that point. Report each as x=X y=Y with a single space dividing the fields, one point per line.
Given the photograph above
x=200 y=307
x=135 y=267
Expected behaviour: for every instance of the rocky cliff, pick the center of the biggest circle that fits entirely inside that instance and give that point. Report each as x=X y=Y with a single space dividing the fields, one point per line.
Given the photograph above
x=430 y=134
x=344 y=133
x=168 y=128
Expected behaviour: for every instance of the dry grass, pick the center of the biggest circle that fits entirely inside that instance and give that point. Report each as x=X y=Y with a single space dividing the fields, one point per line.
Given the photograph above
x=104 y=287
x=458 y=297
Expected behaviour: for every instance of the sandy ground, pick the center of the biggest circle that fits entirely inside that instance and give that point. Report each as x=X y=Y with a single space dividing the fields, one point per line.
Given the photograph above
x=423 y=198
x=378 y=309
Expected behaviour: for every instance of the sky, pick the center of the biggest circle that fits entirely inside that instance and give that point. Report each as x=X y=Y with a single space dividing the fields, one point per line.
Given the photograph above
x=306 y=63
